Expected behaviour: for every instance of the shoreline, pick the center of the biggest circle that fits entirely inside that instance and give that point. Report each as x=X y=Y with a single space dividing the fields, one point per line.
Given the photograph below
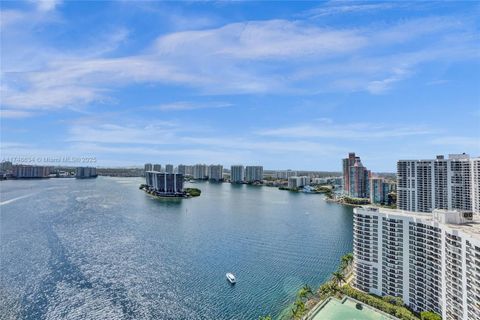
x=344 y=203
x=285 y=313
x=314 y=300
x=307 y=298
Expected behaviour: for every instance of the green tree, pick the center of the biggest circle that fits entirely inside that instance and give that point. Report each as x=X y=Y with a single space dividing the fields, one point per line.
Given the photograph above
x=429 y=315
x=265 y=317
x=304 y=291
x=193 y=192
x=394 y=300
x=347 y=261
x=338 y=278
x=392 y=198
x=401 y=312
x=299 y=309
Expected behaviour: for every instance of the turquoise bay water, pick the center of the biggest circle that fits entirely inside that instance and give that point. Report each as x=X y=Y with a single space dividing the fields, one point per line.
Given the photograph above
x=102 y=249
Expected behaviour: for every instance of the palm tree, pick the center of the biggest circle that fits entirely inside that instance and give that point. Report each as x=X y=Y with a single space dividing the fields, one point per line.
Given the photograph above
x=304 y=291
x=343 y=264
x=350 y=257
x=347 y=261
x=299 y=309
x=338 y=278
x=307 y=288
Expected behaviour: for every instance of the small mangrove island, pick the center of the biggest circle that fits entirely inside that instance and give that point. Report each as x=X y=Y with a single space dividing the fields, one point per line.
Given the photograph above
x=185 y=193
x=193 y=192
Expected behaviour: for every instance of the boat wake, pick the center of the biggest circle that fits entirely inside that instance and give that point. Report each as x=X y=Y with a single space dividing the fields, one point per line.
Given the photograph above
x=16 y=199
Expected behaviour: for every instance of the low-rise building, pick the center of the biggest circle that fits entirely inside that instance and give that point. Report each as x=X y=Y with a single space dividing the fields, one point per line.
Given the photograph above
x=335 y=181
x=319 y=180
x=298 y=182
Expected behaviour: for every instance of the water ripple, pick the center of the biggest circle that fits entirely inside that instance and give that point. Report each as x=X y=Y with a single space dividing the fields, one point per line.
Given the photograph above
x=102 y=249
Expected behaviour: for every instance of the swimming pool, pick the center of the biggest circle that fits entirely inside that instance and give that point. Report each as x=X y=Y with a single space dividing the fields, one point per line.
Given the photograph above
x=334 y=309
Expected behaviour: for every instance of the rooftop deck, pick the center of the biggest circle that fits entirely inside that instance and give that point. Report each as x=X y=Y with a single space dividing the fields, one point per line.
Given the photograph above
x=471 y=227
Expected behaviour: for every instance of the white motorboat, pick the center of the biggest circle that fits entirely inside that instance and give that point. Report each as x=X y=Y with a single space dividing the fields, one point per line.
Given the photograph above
x=231 y=278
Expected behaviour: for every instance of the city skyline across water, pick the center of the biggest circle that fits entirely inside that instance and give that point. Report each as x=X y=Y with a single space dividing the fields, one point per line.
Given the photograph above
x=451 y=203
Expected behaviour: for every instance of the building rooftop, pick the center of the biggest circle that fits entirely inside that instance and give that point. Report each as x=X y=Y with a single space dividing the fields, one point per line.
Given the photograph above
x=460 y=156
x=464 y=221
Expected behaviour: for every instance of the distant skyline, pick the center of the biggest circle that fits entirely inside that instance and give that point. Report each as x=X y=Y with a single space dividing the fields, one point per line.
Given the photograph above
x=284 y=85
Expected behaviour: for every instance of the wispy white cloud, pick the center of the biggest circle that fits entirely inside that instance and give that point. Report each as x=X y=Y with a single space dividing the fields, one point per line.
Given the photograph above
x=148 y=134
x=51 y=97
x=464 y=143
x=176 y=18
x=6 y=145
x=380 y=86
x=102 y=44
x=8 y=17
x=46 y=5
x=187 y=105
x=218 y=147
x=265 y=146
x=262 y=40
x=5 y=113
x=345 y=7
x=355 y=131
x=40 y=12
x=186 y=142
x=75 y=81
x=270 y=56
x=98 y=148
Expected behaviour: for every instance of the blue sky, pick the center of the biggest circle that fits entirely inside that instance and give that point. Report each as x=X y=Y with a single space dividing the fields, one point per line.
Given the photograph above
x=284 y=84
